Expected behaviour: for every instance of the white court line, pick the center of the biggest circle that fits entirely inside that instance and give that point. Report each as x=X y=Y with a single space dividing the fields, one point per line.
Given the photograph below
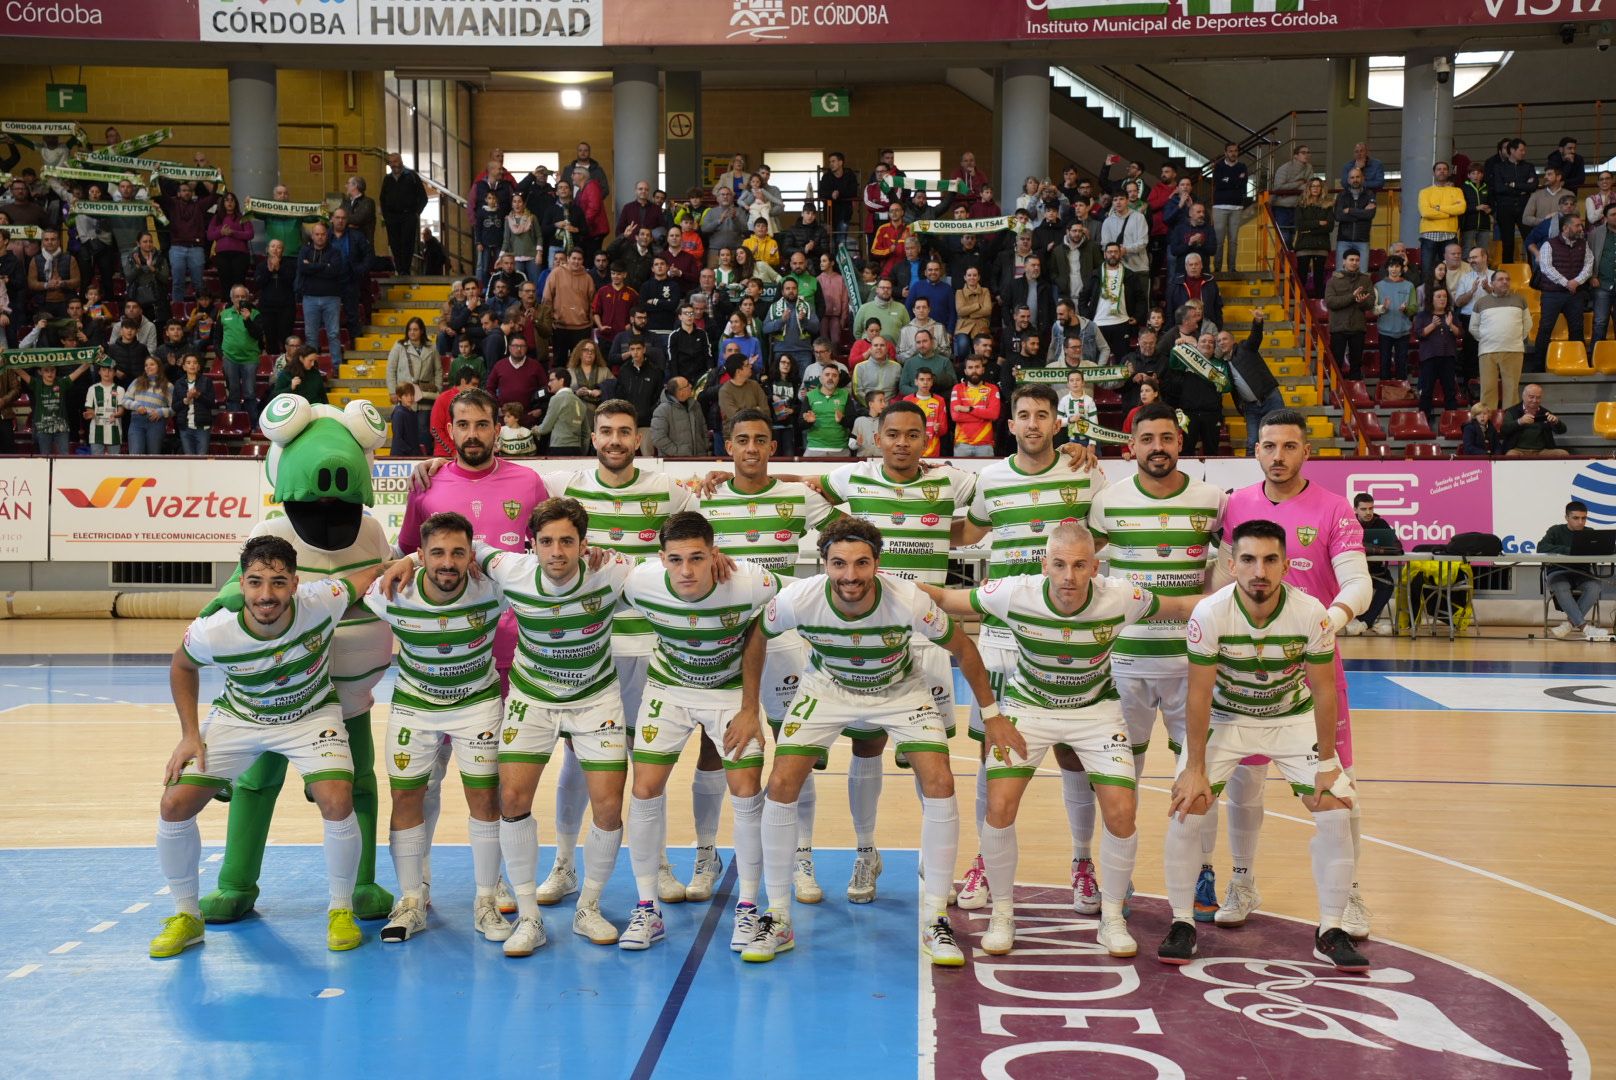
x=216 y=856
x=102 y=927
x=24 y=971
x=132 y=908
x=1394 y=845
x=65 y=947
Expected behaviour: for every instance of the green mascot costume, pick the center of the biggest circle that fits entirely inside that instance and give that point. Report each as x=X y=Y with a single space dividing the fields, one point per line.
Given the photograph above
x=319 y=462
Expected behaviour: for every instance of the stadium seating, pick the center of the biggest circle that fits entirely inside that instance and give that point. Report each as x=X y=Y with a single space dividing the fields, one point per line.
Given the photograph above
x=1569 y=358
x=1409 y=424
x=1605 y=357
x=1423 y=451
x=1452 y=422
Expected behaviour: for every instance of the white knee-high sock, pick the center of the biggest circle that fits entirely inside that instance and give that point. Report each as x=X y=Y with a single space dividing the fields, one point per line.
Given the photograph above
x=179 y=850
x=484 y=854
x=1244 y=794
x=1079 y=799
x=1181 y=863
x=999 y=855
x=779 y=837
x=1209 y=833
x=600 y=857
x=572 y=799
x=707 y=791
x=864 y=797
x=805 y=815
x=748 y=845
x=342 y=844
x=647 y=837
x=981 y=801
x=407 y=847
x=1331 y=849
x=1117 y=855
x=939 y=847
x=519 y=845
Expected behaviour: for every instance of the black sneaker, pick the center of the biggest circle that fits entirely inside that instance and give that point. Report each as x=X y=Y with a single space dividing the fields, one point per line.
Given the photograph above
x=1336 y=947
x=1178 y=947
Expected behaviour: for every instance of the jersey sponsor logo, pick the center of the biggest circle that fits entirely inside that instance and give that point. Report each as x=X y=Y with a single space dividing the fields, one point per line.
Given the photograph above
x=753 y=536
x=1306 y=534
x=695 y=621
x=1164 y=551
x=784 y=534
x=993 y=586
x=1036 y=525
x=593 y=628
x=401 y=760
x=509 y=538
x=648 y=534
x=615 y=533
x=1193 y=633
x=899 y=518
x=1302 y=564
x=1195 y=551
x=930 y=520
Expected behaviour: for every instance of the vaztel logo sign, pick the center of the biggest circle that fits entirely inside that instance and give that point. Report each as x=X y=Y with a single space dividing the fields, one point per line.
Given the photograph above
x=115 y=492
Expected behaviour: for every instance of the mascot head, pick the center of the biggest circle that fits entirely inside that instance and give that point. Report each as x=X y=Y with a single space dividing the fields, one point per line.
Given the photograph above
x=319 y=462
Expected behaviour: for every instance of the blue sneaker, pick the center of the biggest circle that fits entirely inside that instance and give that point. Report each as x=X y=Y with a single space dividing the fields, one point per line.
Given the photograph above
x=1206 y=895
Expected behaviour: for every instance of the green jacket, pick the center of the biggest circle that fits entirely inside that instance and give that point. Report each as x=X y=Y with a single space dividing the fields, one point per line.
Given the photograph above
x=311 y=386
x=1557 y=541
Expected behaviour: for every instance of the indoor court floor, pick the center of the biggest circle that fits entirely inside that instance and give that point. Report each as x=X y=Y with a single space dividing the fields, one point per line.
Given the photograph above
x=1486 y=768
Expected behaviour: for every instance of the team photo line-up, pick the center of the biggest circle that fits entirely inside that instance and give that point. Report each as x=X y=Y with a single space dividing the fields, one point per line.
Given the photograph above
x=623 y=612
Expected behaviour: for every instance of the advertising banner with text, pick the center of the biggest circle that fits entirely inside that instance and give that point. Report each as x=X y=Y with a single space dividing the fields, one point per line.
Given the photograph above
x=152 y=509
x=24 y=509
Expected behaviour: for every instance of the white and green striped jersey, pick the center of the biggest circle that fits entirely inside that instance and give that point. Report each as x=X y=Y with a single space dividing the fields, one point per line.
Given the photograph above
x=1162 y=544
x=627 y=519
x=764 y=527
x=276 y=680
x=1063 y=661
x=914 y=516
x=699 y=642
x=445 y=651
x=864 y=654
x=564 y=632
x=1261 y=670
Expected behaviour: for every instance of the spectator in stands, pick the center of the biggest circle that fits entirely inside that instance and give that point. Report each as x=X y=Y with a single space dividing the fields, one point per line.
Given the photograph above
x=1565 y=267
x=892 y=315
x=1476 y=226
x=146 y=276
x=357 y=255
x=1073 y=260
x=1411 y=270
x=974 y=407
x=275 y=281
x=1037 y=294
x=742 y=391
x=587 y=374
x=1313 y=219
x=321 y=281
x=192 y=406
x=865 y=427
x=1354 y=214
x=640 y=382
x=1579 y=607
x=791 y=325
x=403 y=198
x=1437 y=332
x=1512 y=180
x=1194 y=285
x=1349 y=295
x=838 y=191
x=53 y=276
x=1547 y=229
x=1069 y=325
x=1545 y=201
x=1285 y=189
x=825 y=416
x=520 y=239
x=922 y=322
x=590 y=196
x=172 y=349
x=1374 y=173
x=413 y=362
x=722 y=226
x=1230 y=182
x=1501 y=324
x=1478 y=438
x=1528 y=429
x=641 y=215
x=361 y=209
x=807 y=237
x=1144 y=363
x=1191 y=390
x=762 y=201
x=125 y=349
x=1568 y=163
x=927 y=357
x=1149 y=394
x=516 y=378
x=303 y=378
x=1379 y=539
x=238 y=340
x=1452 y=274
x=1076 y=409
x=1252 y=386
x=678 y=428
x=633 y=254
x=187 y=206
x=877 y=371
x=569 y=292
x=973 y=309
x=565 y=226
x=1440 y=205
x=1395 y=307
x=1128 y=228
x=935 y=406
x=564 y=417
x=1116 y=298
x=149 y=402
x=690 y=350
x=1193 y=235
x=1595 y=205
x=1602 y=247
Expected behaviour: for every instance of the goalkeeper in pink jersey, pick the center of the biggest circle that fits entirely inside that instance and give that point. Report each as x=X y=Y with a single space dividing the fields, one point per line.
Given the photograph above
x=1325 y=541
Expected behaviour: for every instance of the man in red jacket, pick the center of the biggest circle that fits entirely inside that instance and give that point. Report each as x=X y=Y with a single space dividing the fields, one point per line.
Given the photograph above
x=592 y=202
x=975 y=408
x=1156 y=200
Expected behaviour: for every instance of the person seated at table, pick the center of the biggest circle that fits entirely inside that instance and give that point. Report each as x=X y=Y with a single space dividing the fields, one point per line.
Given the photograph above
x=1562 y=579
x=1379 y=539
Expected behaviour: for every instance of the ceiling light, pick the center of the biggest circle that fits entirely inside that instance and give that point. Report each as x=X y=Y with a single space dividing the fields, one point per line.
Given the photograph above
x=572 y=98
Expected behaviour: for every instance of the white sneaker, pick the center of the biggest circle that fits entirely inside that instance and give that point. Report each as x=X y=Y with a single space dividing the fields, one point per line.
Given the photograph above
x=563 y=881
x=669 y=889
x=773 y=936
x=803 y=883
x=704 y=879
x=1114 y=937
x=1354 y=628
x=746 y=925
x=1595 y=633
x=407 y=919
x=489 y=922
x=504 y=897
x=866 y=869
x=973 y=893
x=1386 y=628
x=587 y=921
x=1238 y=904
x=1561 y=630
x=1085 y=890
x=1355 y=917
x=938 y=944
x=1001 y=934
x=527 y=936
x=644 y=928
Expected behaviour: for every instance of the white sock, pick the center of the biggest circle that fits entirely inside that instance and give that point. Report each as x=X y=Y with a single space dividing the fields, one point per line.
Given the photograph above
x=432 y=801
x=707 y=791
x=1117 y=855
x=600 y=858
x=572 y=799
x=805 y=815
x=1079 y=799
x=1331 y=849
x=779 y=836
x=939 y=847
x=748 y=845
x=647 y=837
x=1244 y=793
x=519 y=845
x=1209 y=833
x=484 y=854
x=999 y=855
x=179 y=850
x=406 y=846
x=981 y=800
x=864 y=797
x=1181 y=864
x=342 y=844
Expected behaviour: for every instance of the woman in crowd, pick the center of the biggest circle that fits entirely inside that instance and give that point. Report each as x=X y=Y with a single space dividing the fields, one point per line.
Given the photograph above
x=98 y=252
x=740 y=332
x=1437 y=333
x=149 y=402
x=588 y=372
x=521 y=239
x=833 y=289
x=785 y=388
x=1031 y=198
x=231 y=235
x=414 y=360
x=1315 y=218
x=973 y=307
x=302 y=377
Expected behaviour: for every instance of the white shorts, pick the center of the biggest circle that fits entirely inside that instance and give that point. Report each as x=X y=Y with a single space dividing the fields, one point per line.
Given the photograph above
x=933 y=665
x=594 y=726
x=415 y=737
x=665 y=726
x=631 y=674
x=1096 y=734
x=1000 y=660
x=1291 y=744
x=317 y=747
x=783 y=666
x=907 y=712
x=1142 y=695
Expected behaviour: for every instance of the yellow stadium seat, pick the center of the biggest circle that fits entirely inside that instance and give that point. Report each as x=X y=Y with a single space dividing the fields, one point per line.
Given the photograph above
x=1569 y=358
x=1605 y=357
x=1605 y=419
x=1520 y=274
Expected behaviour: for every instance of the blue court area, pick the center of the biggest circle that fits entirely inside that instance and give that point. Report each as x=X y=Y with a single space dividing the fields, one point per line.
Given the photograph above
x=264 y=997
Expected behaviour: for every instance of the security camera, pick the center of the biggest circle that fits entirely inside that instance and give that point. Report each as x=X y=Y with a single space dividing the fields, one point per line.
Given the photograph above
x=1443 y=68
x=1568 y=33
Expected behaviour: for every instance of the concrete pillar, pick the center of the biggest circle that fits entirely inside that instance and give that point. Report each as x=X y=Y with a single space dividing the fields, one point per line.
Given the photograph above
x=255 y=144
x=636 y=131
x=1021 y=126
x=1347 y=119
x=1427 y=132
x=681 y=93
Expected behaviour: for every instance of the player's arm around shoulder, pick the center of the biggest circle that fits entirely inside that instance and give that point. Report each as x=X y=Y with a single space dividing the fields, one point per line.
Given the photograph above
x=958 y=602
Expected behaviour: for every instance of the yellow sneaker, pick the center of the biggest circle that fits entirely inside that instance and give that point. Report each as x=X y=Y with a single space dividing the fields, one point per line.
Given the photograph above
x=342 y=932
x=179 y=933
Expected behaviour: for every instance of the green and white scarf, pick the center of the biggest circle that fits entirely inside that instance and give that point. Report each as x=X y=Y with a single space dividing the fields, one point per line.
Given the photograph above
x=174 y=171
x=28 y=358
x=1113 y=373
x=105 y=160
x=956 y=226
x=899 y=182
x=21 y=232
x=140 y=143
x=266 y=208
x=1081 y=428
x=79 y=171
x=108 y=208
x=1188 y=358
x=26 y=131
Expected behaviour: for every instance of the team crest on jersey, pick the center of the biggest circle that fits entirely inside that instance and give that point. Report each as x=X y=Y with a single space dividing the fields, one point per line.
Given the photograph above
x=280 y=654
x=1306 y=534
x=695 y=621
x=1104 y=633
x=1034 y=495
x=730 y=619
x=931 y=491
x=648 y=507
x=999 y=755
x=892 y=638
x=476 y=619
x=785 y=509
x=855 y=637
x=512 y=508
x=312 y=642
x=401 y=759
x=591 y=604
x=1070 y=494
x=1199 y=522
x=1164 y=520
x=792 y=728
x=1294 y=649
x=1066 y=633
x=509 y=735
x=650 y=732
x=476 y=508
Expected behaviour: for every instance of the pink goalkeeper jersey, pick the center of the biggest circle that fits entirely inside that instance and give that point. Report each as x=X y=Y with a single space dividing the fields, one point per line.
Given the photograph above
x=1319 y=525
x=498 y=502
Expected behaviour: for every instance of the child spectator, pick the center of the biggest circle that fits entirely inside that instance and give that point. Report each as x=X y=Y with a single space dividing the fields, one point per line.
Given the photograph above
x=47 y=393
x=103 y=408
x=193 y=406
x=149 y=401
x=1077 y=406
x=406 y=425
x=936 y=410
x=1479 y=437
x=866 y=426
x=515 y=439
x=490 y=234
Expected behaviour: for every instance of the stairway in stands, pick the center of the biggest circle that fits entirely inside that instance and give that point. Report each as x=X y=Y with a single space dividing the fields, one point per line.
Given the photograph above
x=1244 y=293
x=364 y=367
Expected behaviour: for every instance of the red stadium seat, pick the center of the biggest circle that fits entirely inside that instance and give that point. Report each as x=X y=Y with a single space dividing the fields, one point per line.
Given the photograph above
x=1409 y=424
x=1381 y=450
x=1369 y=426
x=1423 y=450
x=231 y=425
x=1451 y=424
x=257 y=448
x=1358 y=394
